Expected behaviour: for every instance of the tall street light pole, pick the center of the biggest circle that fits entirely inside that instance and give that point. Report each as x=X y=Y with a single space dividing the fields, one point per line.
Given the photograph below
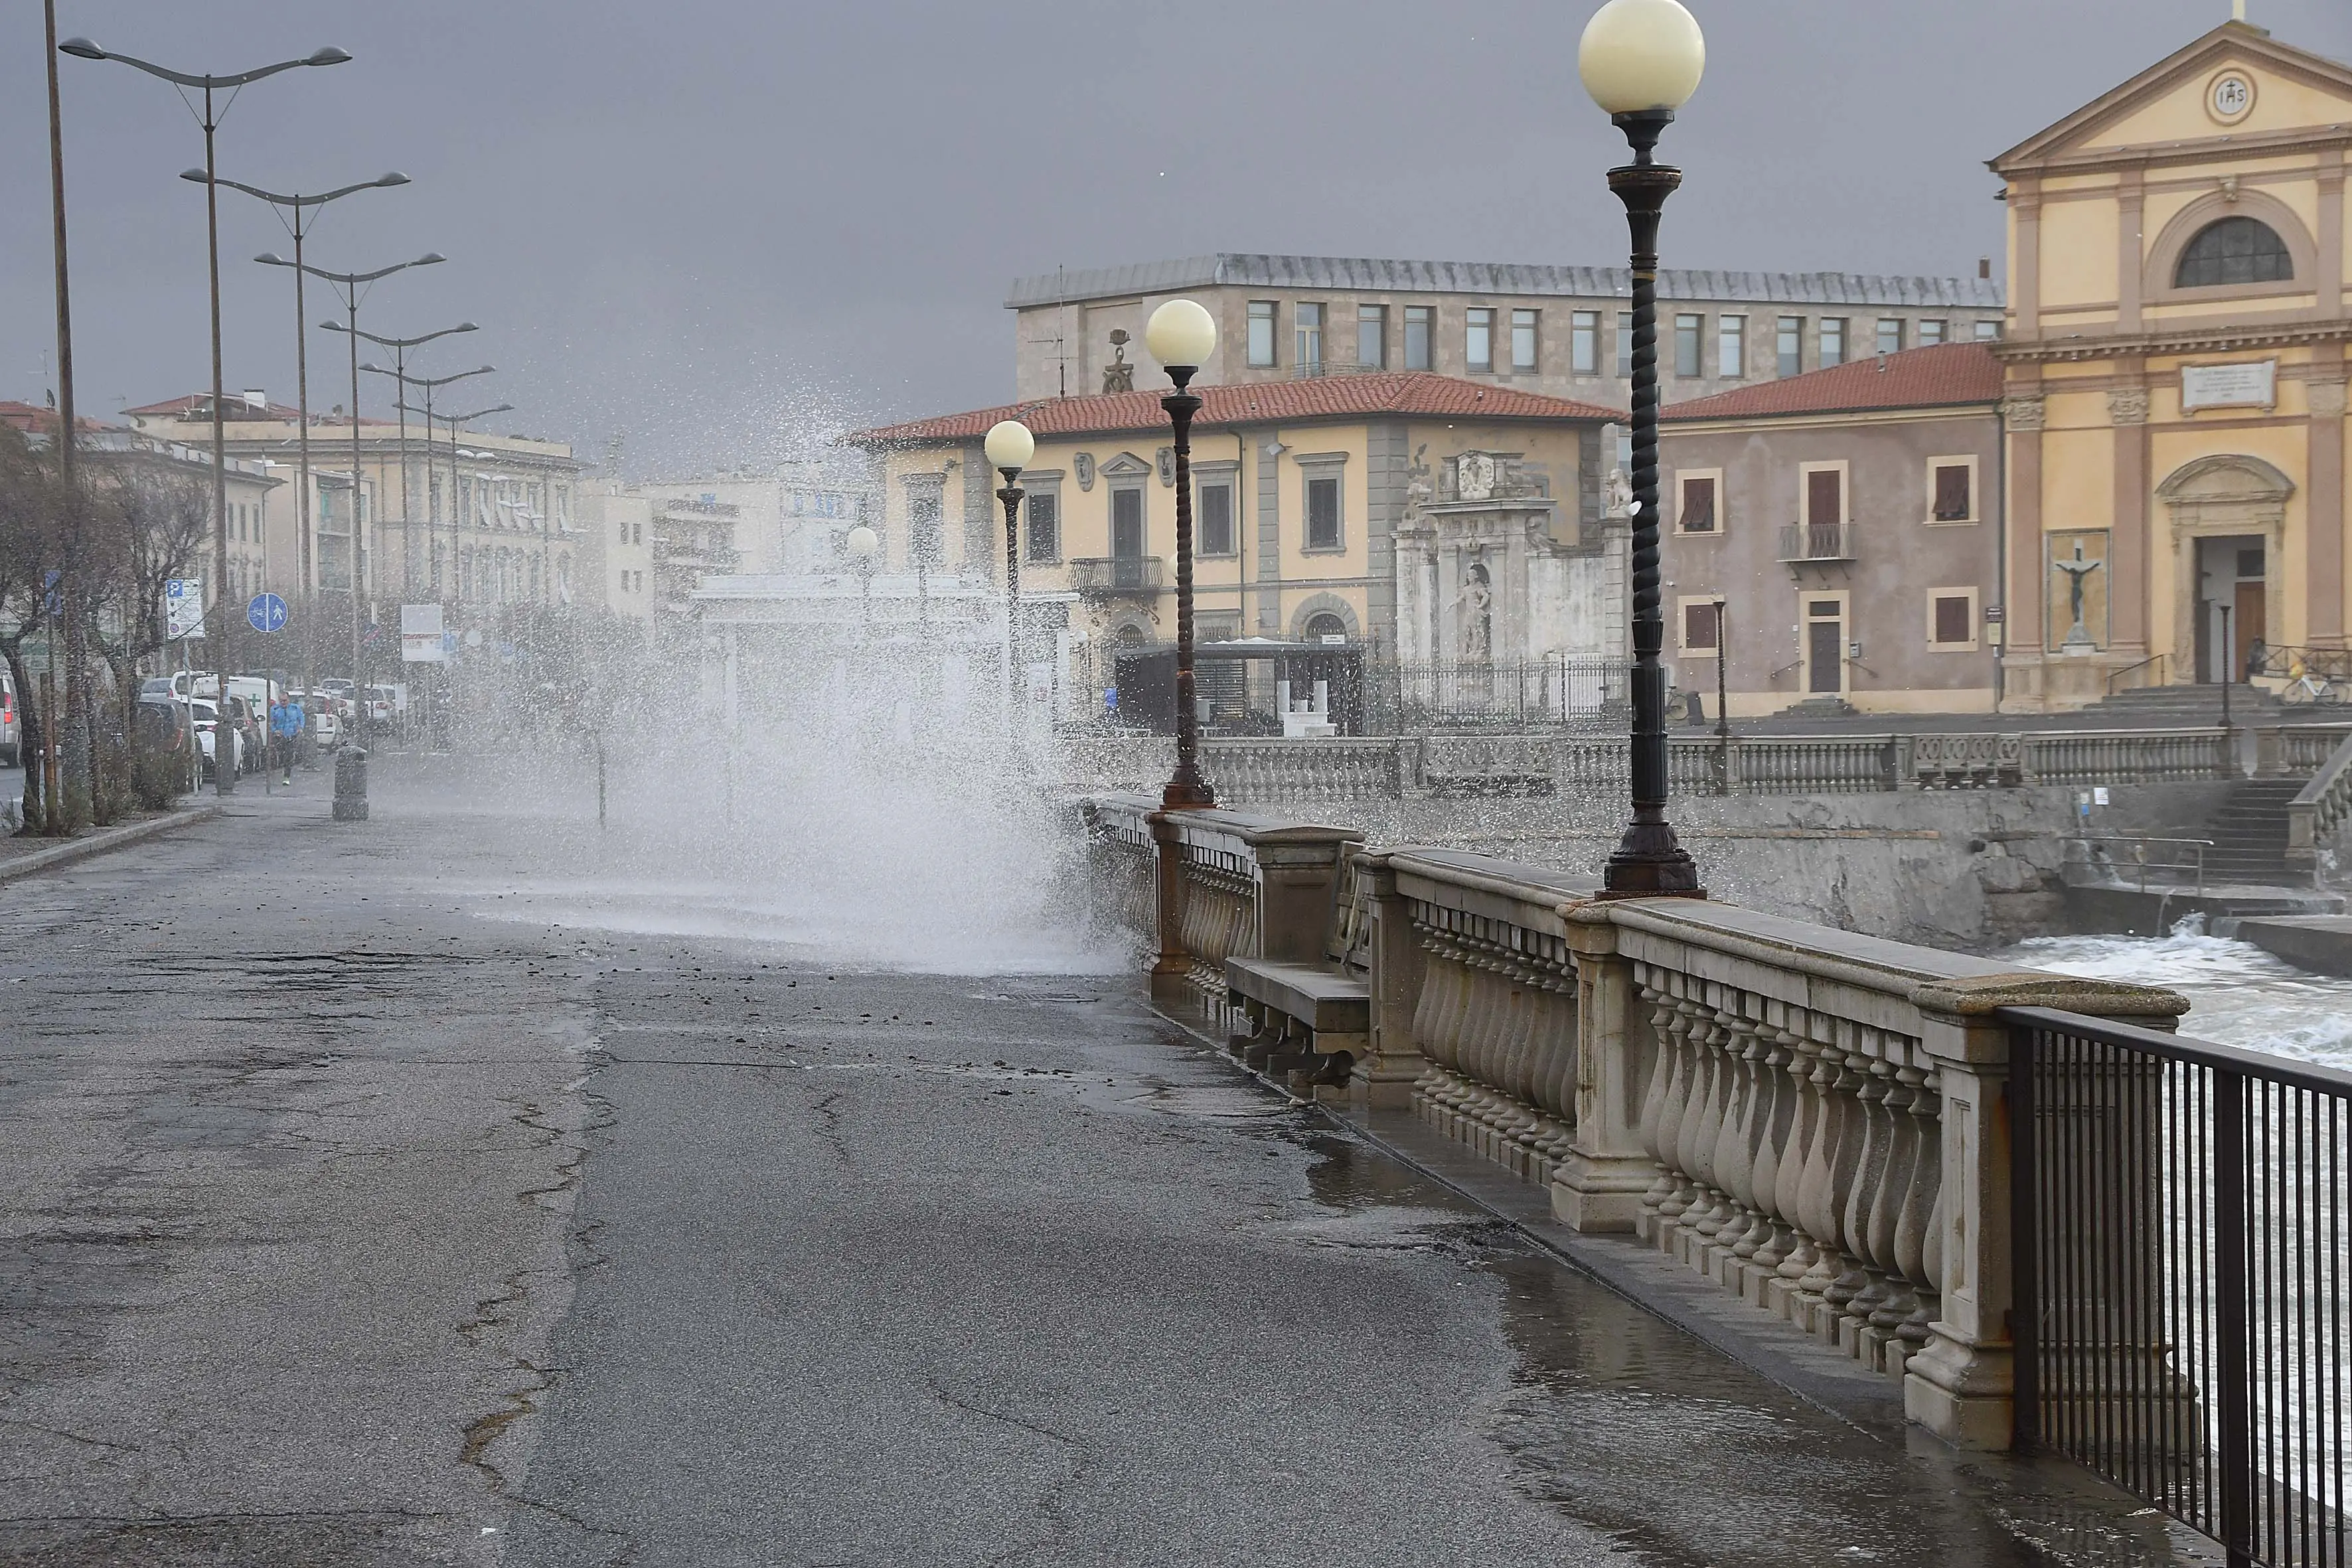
x=1009 y=448
x=299 y=213
x=1181 y=336
x=401 y=384
x=431 y=385
x=69 y=566
x=350 y=288
x=1641 y=60
x=224 y=621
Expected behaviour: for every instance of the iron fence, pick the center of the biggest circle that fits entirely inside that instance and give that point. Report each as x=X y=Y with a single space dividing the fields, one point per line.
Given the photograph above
x=2183 y=1302
x=1404 y=698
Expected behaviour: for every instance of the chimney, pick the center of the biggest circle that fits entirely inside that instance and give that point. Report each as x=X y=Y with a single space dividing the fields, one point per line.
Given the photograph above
x=1984 y=266
x=255 y=398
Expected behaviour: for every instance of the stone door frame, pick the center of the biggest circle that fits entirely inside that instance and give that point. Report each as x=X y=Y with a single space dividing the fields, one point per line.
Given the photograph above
x=2205 y=504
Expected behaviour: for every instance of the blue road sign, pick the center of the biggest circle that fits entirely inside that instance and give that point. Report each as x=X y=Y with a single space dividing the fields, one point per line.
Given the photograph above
x=267 y=612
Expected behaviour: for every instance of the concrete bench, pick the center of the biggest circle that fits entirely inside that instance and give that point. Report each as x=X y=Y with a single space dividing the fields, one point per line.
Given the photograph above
x=1310 y=1022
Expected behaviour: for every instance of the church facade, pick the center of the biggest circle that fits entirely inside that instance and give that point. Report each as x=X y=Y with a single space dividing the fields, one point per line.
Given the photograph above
x=2174 y=372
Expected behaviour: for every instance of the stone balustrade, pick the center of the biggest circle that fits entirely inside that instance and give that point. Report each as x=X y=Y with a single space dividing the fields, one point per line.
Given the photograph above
x=1813 y=1120
x=1294 y=772
x=2316 y=815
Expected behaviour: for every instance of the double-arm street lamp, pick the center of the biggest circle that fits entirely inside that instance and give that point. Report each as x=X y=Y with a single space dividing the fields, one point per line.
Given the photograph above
x=1641 y=60
x=432 y=384
x=297 y=213
x=1010 y=447
x=401 y=384
x=349 y=287
x=225 y=619
x=1181 y=336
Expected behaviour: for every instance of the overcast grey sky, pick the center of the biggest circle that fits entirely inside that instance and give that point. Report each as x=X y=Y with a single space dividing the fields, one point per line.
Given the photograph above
x=697 y=223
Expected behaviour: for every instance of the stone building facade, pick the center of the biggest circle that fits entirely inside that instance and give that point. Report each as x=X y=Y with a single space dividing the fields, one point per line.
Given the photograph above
x=2176 y=365
x=1834 y=538
x=1562 y=332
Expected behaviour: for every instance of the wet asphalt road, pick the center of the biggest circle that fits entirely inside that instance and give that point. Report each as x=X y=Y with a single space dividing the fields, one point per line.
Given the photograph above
x=351 y=1213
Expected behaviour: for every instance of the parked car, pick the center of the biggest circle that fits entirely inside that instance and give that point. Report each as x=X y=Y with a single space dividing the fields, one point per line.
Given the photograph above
x=252 y=731
x=12 y=735
x=166 y=757
x=205 y=713
x=326 y=724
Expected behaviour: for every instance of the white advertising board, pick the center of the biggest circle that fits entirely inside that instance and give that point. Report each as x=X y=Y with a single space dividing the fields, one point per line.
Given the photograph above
x=420 y=634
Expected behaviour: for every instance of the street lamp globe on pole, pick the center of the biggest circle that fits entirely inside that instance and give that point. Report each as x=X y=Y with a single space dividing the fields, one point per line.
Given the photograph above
x=1641 y=60
x=1010 y=447
x=1181 y=336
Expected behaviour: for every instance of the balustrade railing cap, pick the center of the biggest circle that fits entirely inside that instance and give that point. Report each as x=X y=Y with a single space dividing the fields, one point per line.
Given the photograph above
x=1976 y=995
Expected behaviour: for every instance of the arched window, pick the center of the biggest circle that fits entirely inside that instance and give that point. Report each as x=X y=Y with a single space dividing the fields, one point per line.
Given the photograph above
x=2235 y=250
x=1326 y=625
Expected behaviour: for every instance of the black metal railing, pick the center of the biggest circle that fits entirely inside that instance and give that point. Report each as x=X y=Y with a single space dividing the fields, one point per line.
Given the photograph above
x=1403 y=697
x=2183 y=1314
x=1115 y=574
x=1817 y=542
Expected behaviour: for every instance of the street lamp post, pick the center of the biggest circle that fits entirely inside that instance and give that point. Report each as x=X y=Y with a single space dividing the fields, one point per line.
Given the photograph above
x=863 y=545
x=303 y=211
x=348 y=286
x=401 y=384
x=432 y=384
x=225 y=781
x=1641 y=60
x=1010 y=447
x=53 y=820
x=1181 y=336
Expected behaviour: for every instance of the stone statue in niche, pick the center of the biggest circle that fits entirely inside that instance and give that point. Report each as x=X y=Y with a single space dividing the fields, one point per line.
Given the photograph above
x=1617 y=495
x=1083 y=466
x=1476 y=602
x=1119 y=376
x=1473 y=475
x=2078 y=635
x=1166 y=460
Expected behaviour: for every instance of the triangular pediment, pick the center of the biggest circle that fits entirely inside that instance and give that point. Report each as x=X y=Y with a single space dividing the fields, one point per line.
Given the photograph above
x=2170 y=103
x=1124 y=464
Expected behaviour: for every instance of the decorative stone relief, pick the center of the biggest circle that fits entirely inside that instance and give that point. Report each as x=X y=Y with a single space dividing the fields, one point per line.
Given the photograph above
x=2022 y=413
x=2327 y=400
x=2128 y=406
x=1083 y=464
x=1166 y=458
x=1475 y=476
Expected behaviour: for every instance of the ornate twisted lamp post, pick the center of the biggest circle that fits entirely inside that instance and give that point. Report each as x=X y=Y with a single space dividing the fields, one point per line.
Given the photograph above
x=1010 y=447
x=1181 y=336
x=1641 y=60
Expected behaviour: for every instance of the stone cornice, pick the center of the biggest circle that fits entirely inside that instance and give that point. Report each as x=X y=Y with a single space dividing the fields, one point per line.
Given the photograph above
x=2211 y=340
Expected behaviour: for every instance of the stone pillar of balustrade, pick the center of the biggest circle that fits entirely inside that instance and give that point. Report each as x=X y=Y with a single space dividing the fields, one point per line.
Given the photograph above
x=1598 y=1186
x=1960 y=1384
x=1171 y=969
x=1297 y=886
x=1383 y=1079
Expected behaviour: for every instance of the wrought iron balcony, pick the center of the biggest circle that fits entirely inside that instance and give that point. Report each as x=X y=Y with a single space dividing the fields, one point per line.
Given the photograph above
x=1115 y=574
x=1816 y=542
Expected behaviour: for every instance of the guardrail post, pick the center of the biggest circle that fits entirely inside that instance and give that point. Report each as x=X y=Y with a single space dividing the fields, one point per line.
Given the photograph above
x=2270 y=752
x=1171 y=970
x=1598 y=1187
x=1298 y=878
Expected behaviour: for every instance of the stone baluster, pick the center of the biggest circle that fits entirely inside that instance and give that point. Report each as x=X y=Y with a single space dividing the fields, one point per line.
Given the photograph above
x=1860 y=1190
x=1682 y=1125
x=1730 y=1157
x=1755 y=1116
x=1776 y=1109
x=1805 y=1128
x=1713 y=1209
x=1551 y=1080
x=1835 y=1278
x=1917 y=1249
x=1666 y=1056
x=1698 y=1201
x=1886 y=1207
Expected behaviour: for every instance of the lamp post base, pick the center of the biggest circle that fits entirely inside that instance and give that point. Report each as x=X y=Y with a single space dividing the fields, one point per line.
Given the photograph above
x=1182 y=795
x=1649 y=864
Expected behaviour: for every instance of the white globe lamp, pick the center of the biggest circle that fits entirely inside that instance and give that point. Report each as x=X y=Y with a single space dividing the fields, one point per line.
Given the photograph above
x=1641 y=55
x=1181 y=335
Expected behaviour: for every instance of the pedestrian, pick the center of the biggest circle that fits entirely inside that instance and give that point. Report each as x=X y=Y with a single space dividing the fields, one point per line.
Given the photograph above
x=284 y=729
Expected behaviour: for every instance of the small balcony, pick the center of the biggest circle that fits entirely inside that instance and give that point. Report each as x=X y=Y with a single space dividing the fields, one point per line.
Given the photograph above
x=1822 y=543
x=1103 y=575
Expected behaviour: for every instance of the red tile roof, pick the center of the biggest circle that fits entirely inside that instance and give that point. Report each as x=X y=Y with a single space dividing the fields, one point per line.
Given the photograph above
x=198 y=405
x=31 y=416
x=1947 y=375
x=1416 y=393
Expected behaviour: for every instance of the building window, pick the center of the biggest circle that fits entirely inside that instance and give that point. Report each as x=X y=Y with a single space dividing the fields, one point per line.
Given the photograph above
x=1702 y=626
x=1261 y=332
x=923 y=527
x=1790 y=346
x=1308 y=318
x=1045 y=526
x=1372 y=336
x=1890 y=334
x=1987 y=332
x=1323 y=512
x=1951 y=486
x=1480 y=342
x=1832 y=340
x=1523 y=341
x=2235 y=250
x=1420 y=326
x=1584 y=343
x=1930 y=333
x=1731 y=347
x=1690 y=333
x=1326 y=627
x=1698 y=513
x=1952 y=618
x=1217 y=519
x=1625 y=345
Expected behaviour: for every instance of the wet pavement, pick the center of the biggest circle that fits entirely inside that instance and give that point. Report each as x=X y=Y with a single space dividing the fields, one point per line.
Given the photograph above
x=416 y=1194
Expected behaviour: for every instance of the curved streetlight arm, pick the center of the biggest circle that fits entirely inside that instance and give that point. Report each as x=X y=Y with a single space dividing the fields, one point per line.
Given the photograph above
x=351 y=279
x=382 y=182
x=82 y=48
x=454 y=420
x=433 y=381
x=409 y=342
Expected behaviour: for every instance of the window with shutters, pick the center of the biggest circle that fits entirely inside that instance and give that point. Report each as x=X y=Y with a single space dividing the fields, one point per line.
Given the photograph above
x=1952 y=619
x=1824 y=497
x=1702 y=624
x=1700 y=511
x=1323 y=531
x=1217 y=519
x=1952 y=489
x=1044 y=527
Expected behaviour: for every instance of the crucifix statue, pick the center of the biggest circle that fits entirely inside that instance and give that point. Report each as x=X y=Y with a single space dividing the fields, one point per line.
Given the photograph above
x=2076 y=570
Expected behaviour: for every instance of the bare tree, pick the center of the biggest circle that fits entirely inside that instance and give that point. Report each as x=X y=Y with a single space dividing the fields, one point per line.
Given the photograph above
x=31 y=526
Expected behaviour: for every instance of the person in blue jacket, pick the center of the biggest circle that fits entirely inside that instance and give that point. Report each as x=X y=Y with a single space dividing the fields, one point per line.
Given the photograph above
x=284 y=729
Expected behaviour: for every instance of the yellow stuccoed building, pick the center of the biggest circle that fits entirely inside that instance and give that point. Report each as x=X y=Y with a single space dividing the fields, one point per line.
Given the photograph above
x=2174 y=396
